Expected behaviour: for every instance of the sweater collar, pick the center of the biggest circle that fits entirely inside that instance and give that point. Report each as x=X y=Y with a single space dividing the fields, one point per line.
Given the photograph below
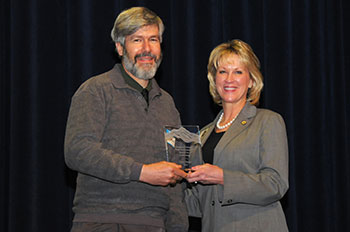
x=130 y=81
x=119 y=82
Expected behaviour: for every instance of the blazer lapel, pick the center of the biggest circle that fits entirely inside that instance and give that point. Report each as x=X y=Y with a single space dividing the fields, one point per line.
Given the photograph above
x=242 y=122
x=204 y=135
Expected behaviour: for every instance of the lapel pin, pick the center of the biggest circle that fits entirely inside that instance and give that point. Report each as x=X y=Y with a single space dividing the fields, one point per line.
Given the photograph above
x=244 y=122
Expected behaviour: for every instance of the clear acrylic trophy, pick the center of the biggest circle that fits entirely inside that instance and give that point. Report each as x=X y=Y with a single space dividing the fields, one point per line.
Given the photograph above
x=181 y=142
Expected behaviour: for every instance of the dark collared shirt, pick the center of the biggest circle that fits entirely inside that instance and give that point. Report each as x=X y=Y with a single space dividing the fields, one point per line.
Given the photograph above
x=132 y=83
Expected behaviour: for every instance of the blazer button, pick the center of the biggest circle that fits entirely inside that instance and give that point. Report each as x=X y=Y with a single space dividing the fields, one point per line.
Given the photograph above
x=229 y=201
x=213 y=203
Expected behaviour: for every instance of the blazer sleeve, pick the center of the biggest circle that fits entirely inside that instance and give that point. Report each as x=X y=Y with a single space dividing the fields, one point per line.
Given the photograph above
x=191 y=191
x=269 y=182
x=192 y=201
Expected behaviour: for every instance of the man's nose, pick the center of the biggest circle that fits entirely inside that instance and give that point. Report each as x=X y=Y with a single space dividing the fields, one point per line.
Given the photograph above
x=146 y=46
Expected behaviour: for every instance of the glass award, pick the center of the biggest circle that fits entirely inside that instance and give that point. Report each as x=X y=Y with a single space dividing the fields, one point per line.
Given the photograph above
x=181 y=142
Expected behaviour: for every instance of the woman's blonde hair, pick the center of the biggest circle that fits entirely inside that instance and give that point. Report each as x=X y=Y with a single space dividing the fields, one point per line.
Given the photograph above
x=221 y=54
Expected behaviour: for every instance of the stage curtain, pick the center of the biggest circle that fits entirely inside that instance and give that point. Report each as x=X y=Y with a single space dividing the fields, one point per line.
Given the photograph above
x=48 y=48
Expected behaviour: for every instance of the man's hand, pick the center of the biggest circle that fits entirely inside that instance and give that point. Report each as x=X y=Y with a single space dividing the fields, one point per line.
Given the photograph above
x=162 y=173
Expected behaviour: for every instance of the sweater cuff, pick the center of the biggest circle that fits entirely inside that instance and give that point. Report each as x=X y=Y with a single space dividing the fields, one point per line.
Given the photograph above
x=136 y=171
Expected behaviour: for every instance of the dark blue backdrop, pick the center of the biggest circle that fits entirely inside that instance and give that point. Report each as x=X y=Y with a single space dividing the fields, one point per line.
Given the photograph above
x=48 y=48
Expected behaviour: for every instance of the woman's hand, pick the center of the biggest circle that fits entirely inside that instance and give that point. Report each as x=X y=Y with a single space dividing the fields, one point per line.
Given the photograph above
x=206 y=174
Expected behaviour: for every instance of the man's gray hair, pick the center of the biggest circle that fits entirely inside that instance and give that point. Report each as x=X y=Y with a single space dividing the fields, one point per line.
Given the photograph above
x=131 y=20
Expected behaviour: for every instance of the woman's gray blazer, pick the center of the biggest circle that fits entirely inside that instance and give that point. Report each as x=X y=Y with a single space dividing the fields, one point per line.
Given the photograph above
x=253 y=153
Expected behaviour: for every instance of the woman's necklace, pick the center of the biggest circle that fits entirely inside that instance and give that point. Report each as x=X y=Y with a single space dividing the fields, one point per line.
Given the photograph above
x=227 y=124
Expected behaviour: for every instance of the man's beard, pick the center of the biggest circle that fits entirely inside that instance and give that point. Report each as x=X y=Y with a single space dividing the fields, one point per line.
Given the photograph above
x=138 y=71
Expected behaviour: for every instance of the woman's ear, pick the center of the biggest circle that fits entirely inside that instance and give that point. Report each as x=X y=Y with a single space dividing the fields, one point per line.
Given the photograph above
x=250 y=83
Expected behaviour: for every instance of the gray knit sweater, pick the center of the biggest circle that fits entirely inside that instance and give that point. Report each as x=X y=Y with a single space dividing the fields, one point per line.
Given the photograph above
x=110 y=134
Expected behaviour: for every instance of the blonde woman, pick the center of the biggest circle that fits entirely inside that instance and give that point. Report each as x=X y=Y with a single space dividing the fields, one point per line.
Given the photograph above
x=244 y=162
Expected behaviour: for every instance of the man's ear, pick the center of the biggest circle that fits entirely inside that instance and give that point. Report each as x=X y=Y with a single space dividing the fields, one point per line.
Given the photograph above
x=120 y=48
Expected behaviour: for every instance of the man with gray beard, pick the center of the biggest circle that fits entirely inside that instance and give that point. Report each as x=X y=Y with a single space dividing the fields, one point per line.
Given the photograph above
x=115 y=139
